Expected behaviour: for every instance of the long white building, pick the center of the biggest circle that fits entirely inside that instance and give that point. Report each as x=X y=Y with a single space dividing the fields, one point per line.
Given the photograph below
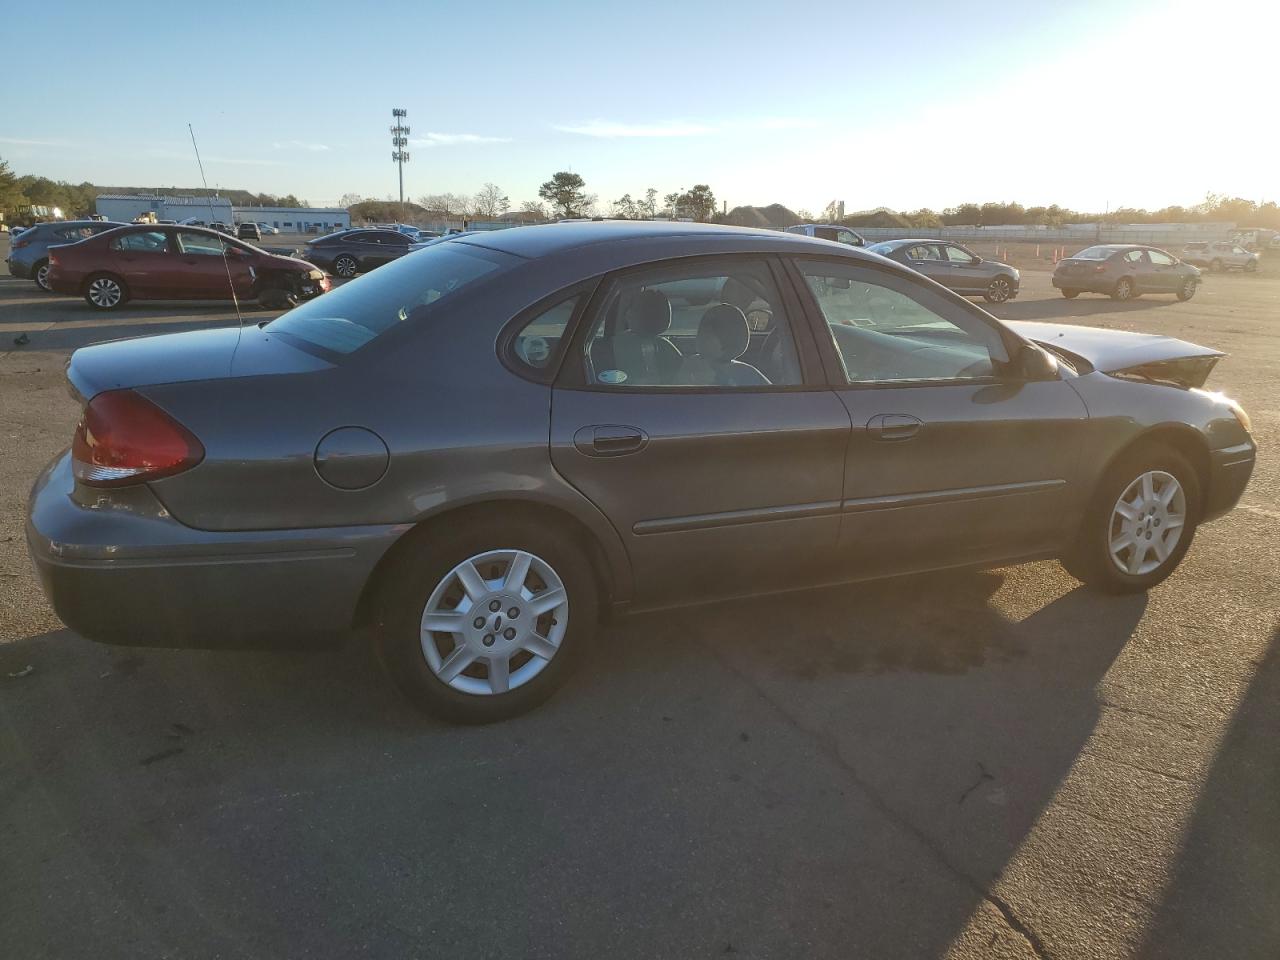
x=124 y=208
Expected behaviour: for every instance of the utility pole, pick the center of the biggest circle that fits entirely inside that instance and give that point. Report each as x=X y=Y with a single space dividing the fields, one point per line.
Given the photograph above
x=400 y=140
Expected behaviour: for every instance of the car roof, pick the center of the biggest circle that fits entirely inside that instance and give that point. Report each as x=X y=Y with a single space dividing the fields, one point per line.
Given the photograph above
x=555 y=238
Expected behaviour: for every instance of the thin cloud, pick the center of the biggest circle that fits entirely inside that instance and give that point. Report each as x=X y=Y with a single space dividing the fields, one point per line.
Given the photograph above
x=455 y=139
x=611 y=129
x=301 y=145
x=19 y=142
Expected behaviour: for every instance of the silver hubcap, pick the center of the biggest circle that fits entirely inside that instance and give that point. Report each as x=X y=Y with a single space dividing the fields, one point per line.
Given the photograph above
x=346 y=268
x=1123 y=290
x=42 y=276
x=1147 y=523
x=1000 y=290
x=104 y=292
x=494 y=622
x=1188 y=289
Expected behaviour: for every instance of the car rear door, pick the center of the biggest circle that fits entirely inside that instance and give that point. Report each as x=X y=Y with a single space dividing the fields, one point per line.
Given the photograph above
x=949 y=461
x=722 y=475
x=145 y=261
x=929 y=260
x=1138 y=266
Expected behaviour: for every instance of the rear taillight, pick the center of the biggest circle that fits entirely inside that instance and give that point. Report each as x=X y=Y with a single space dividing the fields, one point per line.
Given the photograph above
x=19 y=243
x=53 y=259
x=124 y=438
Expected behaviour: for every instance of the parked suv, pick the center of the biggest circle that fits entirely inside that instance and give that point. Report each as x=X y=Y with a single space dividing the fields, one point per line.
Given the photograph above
x=249 y=231
x=29 y=251
x=1220 y=255
x=830 y=231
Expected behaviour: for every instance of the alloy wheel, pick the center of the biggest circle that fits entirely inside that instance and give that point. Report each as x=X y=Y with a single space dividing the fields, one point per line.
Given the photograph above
x=999 y=290
x=1147 y=523
x=42 y=277
x=494 y=622
x=104 y=292
x=345 y=267
x=1124 y=289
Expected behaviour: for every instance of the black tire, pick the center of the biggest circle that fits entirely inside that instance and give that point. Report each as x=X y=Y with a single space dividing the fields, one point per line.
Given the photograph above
x=96 y=292
x=346 y=267
x=1215 y=266
x=999 y=290
x=40 y=274
x=1251 y=266
x=1123 y=289
x=1071 y=294
x=1089 y=559
x=427 y=562
x=1187 y=290
x=277 y=298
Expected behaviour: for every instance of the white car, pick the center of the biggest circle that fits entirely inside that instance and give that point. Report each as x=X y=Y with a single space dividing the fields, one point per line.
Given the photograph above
x=267 y=228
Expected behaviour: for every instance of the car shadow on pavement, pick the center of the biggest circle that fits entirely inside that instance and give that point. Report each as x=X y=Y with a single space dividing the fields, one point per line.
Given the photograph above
x=851 y=769
x=1222 y=899
x=1082 y=306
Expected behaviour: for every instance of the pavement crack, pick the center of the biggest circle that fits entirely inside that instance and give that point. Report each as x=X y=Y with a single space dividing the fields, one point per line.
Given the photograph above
x=828 y=748
x=982 y=775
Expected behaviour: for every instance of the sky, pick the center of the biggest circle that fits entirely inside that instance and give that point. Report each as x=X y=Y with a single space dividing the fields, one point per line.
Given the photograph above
x=1087 y=104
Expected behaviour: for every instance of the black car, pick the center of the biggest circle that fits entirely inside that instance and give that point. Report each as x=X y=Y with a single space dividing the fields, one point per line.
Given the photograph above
x=349 y=252
x=954 y=266
x=222 y=228
x=249 y=231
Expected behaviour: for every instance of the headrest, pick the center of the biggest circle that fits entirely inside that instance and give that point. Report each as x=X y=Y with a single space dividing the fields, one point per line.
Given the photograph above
x=723 y=334
x=736 y=292
x=649 y=314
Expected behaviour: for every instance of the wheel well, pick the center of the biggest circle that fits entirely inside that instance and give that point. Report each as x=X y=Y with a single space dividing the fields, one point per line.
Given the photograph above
x=366 y=607
x=1185 y=440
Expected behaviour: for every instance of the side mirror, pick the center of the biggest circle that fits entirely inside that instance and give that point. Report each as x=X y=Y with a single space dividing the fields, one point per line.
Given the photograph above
x=1034 y=364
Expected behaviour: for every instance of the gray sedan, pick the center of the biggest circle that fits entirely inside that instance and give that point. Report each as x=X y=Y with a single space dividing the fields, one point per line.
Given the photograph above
x=955 y=266
x=481 y=448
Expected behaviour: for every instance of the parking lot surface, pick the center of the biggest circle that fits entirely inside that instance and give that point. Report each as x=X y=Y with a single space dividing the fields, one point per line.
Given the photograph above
x=979 y=764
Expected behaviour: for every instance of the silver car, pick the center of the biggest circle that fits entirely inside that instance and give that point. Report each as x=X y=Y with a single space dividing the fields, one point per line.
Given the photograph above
x=484 y=446
x=1220 y=255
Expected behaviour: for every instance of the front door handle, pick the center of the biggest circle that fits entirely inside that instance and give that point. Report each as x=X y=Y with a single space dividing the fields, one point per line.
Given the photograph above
x=610 y=440
x=894 y=426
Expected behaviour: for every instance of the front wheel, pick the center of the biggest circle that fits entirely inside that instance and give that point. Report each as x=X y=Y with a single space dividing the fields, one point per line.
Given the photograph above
x=105 y=292
x=1140 y=523
x=1187 y=290
x=998 y=291
x=1071 y=294
x=1251 y=266
x=484 y=622
x=1123 y=290
x=346 y=267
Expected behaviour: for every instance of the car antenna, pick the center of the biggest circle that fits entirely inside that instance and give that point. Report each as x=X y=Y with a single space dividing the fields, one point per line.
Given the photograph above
x=225 y=265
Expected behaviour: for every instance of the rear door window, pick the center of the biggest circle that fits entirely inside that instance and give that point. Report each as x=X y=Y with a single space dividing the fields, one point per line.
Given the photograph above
x=149 y=241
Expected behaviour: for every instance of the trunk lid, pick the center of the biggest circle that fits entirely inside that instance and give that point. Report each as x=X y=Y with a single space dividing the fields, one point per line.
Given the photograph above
x=220 y=353
x=1141 y=356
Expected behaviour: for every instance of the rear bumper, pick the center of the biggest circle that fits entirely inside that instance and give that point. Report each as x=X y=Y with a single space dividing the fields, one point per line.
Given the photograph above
x=1088 y=283
x=120 y=569
x=19 y=269
x=1229 y=473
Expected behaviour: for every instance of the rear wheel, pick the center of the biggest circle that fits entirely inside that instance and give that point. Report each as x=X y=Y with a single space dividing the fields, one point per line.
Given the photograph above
x=105 y=292
x=1215 y=266
x=484 y=622
x=41 y=276
x=1187 y=290
x=1071 y=294
x=998 y=290
x=1140 y=523
x=1123 y=289
x=346 y=267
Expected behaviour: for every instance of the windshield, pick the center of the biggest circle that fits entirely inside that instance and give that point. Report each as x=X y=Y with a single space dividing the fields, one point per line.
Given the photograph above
x=1095 y=253
x=346 y=319
x=884 y=249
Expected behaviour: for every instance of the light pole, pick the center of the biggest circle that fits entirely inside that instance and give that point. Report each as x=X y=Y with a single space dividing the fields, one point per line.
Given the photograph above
x=400 y=140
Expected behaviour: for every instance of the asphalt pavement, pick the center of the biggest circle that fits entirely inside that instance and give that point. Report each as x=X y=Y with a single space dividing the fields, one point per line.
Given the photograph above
x=979 y=764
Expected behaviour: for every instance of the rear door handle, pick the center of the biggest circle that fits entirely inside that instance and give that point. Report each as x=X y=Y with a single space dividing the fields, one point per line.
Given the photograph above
x=894 y=426
x=610 y=440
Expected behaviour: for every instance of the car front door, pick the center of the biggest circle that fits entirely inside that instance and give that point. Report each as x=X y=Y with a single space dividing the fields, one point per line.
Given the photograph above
x=711 y=443
x=951 y=459
x=1165 y=277
x=965 y=270
x=145 y=262
x=205 y=274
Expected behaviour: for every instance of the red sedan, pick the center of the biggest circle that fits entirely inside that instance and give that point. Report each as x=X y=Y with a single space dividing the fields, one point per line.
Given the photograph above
x=150 y=262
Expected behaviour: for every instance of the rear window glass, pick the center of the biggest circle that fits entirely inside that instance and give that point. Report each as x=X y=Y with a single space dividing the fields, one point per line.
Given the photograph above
x=407 y=290
x=1095 y=253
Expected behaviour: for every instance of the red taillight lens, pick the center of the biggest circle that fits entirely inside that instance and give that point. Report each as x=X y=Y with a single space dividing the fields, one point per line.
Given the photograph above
x=53 y=259
x=124 y=438
x=19 y=243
